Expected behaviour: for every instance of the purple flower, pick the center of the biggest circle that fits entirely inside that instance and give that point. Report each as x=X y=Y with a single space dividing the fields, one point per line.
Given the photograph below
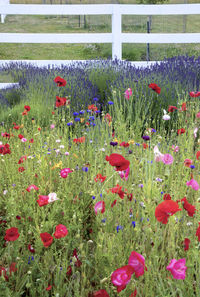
x=146 y=137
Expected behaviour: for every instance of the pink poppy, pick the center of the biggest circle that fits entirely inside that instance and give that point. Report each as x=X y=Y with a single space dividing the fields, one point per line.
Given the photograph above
x=124 y=174
x=128 y=93
x=193 y=94
x=32 y=187
x=64 y=172
x=99 y=207
x=121 y=277
x=167 y=159
x=177 y=268
x=188 y=162
x=137 y=261
x=193 y=184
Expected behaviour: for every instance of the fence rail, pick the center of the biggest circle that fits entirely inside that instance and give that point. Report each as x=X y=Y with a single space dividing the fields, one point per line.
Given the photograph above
x=116 y=37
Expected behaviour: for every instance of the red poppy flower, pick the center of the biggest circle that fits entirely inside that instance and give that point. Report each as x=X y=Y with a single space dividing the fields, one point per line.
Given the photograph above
x=20 y=136
x=69 y=270
x=155 y=88
x=181 y=131
x=124 y=144
x=5 y=149
x=16 y=127
x=193 y=94
x=61 y=82
x=198 y=155
x=79 y=140
x=21 y=169
x=7 y=135
x=198 y=232
x=118 y=190
x=27 y=107
x=61 y=231
x=92 y=107
x=31 y=140
x=189 y=207
x=43 y=200
x=118 y=161
x=183 y=107
x=113 y=203
x=60 y=101
x=145 y=145
x=100 y=178
x=48 y=288
x=46 y=238
x=171 y=108
x=187 y=162
x=186 y=244
x=100 y=293
x=21 y=160
x=31 y=249
x=25 y=112
x=167 y=197
x=11 y=234
x=165 y=209
x=78 y=263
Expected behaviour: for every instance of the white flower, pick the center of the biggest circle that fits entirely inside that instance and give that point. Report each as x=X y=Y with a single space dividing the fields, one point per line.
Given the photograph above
x=58 y=140
x=166 y=117
x=62 y=146
x=189 y=224
x=102 y=149
x=52 y=197
x=5 y=192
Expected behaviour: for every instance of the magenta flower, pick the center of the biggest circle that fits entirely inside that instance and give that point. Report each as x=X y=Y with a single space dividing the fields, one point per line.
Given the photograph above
x=137 y=261
x=128 y=93
x=193 y=184
x=121 y=277
x=64 y=172
x=177 y=268
x=99 y=207
x=124 y=174
x=32 y=187
x=168 y=159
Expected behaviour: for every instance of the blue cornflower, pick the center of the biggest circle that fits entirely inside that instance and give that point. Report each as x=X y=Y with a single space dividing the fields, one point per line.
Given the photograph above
x=89 y=111
x=110 y=102
x=93 y=124
x=98 y=111
x=93 y=197
x=137 y=144
x=103 y=220
x=113 y=143
x=119 y=227
x=85 y=169
x=162 y=193
x=133 y=224
x=91 y=118
x=192 y=166
x=95 y=99
x=69 y=124
x=82 y=112
x=75 y=113
x=153 y=130
x=77 y=119
x=101 y=195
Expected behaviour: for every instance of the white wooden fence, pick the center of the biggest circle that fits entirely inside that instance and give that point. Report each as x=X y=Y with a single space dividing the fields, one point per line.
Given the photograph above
x=116 y=37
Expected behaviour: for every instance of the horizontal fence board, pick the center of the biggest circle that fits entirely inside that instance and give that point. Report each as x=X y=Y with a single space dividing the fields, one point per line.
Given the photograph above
x=164 y=9
x=98 y=9
x=76 y=9
x=160 y=38
x=56 y=38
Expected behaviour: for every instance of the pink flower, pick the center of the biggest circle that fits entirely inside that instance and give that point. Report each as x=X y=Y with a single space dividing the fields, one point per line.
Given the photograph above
x=32 y=187
x=168 y=159
x=198 y=115
x=52 y=126
x=99 y=207
x=44 y=200
x=61 y=231
x=121 y=277
x=175 y=148
x=157 y=154
x=23 y=139
x=177 y=268
x=194 y=184
x=188 y=162
x=137 y=261
x=64 y=172
x=124 y=174
x=195 y=132
x=128 y=93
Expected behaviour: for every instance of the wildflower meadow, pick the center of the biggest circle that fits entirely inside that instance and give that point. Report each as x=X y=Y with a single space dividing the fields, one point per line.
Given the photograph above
x=99 y=180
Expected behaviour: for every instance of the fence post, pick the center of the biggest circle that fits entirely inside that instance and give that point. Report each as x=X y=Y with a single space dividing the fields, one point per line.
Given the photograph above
x=3 y=16
x=116 y=32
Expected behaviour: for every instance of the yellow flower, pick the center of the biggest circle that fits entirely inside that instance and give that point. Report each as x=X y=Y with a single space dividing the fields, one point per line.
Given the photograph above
x=131 y=141
x=57 y=165
x=82 y=120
